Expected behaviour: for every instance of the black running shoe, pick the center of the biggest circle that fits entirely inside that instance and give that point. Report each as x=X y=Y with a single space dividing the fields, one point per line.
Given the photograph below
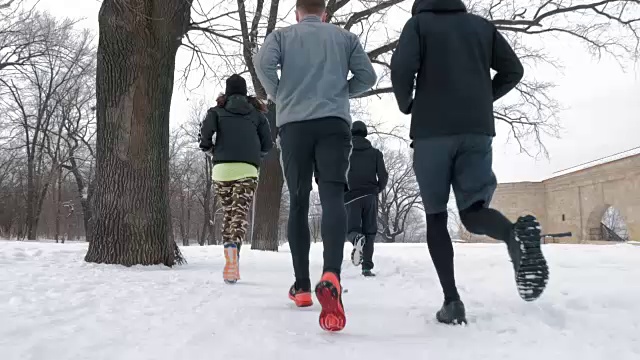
x=368 y=273
x=529 y=264
x=452 y=313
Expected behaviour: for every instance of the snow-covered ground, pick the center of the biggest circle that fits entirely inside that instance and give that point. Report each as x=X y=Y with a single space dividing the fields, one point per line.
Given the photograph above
x=55 y=306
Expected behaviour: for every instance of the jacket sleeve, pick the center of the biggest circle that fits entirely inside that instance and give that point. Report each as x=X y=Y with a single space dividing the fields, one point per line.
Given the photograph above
x=405 y=63
x=208 y=129
x=507 y=65
x=264 y=132
x=266 y=62
x=364 y=75
x=381 y=169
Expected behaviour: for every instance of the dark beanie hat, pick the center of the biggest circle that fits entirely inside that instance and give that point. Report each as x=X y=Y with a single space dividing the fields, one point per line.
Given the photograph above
x=236 y=85
x=359 y=129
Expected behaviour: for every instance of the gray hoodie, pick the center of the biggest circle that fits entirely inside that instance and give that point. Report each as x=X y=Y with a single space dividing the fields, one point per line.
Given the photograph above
x=315 y=59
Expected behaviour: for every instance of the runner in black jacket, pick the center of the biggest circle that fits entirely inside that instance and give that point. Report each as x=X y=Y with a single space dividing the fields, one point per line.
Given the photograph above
x=367 y=178
x=452 y=53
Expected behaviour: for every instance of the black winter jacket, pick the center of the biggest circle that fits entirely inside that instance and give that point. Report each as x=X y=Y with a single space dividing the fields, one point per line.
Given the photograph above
x=242 y=132
x=452 y=52
x=367 y=172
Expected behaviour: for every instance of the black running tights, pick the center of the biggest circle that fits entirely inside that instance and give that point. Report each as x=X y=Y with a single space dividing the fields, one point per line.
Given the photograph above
x=478 y=220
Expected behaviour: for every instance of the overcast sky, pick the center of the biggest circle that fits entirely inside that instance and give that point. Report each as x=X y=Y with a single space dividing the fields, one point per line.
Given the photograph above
x=602 y=105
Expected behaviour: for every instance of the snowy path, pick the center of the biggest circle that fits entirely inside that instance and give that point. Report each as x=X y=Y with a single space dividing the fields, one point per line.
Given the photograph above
x=55 y=306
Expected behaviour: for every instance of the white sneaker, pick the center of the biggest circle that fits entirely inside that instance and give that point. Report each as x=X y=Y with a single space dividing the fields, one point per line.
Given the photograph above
x=358 y=247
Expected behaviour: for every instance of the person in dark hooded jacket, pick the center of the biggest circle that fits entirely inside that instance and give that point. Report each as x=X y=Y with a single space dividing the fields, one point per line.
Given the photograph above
x=367 y=178
x=242 y=139
x=452 y=53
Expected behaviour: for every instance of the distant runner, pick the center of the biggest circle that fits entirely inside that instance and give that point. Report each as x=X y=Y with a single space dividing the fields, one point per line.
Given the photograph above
x=367 y=178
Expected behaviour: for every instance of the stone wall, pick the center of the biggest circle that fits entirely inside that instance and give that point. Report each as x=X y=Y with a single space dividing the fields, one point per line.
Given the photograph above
x=577 y=201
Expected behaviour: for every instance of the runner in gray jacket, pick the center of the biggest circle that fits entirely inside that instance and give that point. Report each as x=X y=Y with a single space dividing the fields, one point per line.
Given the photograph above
x=313 y=116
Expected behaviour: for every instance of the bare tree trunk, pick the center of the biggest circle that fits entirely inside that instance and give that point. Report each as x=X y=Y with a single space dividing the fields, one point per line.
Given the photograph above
x=264 y=233
x=30 y=219
x=267 y=199
x=206 y=201
x=183 y=232
x=58 y=205
x=187 y=229
x=136 y=62
x=212 y=239
x=85 y=192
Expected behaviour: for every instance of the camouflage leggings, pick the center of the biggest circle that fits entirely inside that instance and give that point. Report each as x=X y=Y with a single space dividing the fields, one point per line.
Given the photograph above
x=235 y=197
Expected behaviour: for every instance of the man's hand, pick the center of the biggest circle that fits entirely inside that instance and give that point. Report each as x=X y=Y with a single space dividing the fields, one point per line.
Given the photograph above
x=407 y=111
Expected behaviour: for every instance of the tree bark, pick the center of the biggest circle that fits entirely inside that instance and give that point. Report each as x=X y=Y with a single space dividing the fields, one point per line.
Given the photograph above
x=58 y=205
x=266 y=208
x=135 y=72
x=267 y=200
x=85 y=192
x=206 y=201
x=31 y=221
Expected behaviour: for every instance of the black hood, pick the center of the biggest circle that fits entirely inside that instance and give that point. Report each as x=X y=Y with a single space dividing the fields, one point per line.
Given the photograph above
x=437 y=6
x=359 y=129
x=360 y=143
x=238 y=104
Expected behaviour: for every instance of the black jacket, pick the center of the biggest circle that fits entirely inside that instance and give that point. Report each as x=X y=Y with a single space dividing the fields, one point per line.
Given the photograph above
x=242 y=132
x=452 y=52
x=367 y=172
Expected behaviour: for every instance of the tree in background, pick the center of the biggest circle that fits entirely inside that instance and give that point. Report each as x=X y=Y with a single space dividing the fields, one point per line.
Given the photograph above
x=26 y=35
x=401 y=198
x=138 y=41
x=36 y=108
x=191 y=182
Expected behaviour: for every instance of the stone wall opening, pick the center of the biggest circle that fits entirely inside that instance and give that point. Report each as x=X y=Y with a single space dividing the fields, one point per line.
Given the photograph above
x=606 y=223
x=614 y=222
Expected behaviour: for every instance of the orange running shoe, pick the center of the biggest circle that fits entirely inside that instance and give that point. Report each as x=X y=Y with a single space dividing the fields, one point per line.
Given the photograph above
x=231 y=272
x=300 y=297
x=329 y=294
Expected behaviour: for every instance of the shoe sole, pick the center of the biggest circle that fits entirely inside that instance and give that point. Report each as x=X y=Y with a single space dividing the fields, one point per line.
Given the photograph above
x=533 y=274
x=301 y=303
x=357 y=253
x=332 y=317
x=455 y=322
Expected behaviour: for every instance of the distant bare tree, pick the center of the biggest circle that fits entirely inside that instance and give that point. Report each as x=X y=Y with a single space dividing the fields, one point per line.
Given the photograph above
x=36 y=94
x=401 y=196
x=26 y=34
x=77 y=114
x=614 y=220
x=604 y=26
x=456 y=228
x=11 y=197
x=193 y=202
x=415 y=228
x=315 y=217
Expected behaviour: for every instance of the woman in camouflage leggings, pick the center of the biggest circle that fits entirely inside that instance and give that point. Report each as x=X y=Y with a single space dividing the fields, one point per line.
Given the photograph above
x=242 y=139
